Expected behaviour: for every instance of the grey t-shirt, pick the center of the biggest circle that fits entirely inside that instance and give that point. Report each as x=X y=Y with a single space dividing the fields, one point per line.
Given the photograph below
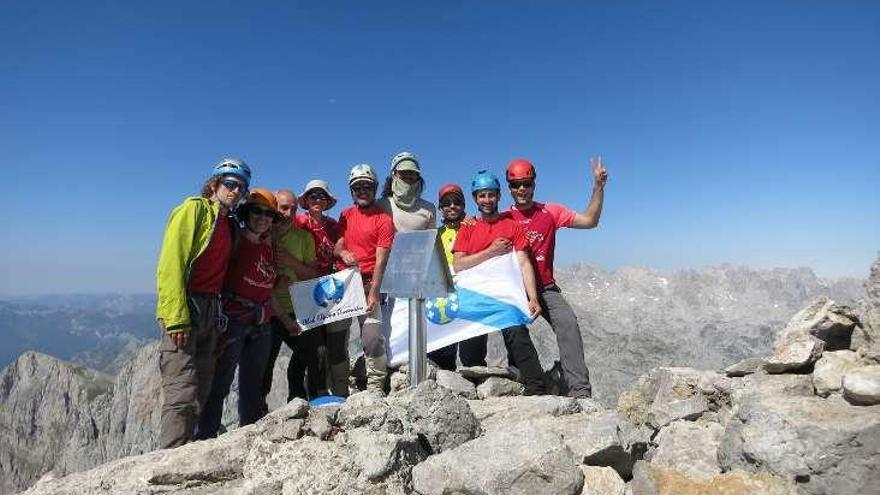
x=422 y=216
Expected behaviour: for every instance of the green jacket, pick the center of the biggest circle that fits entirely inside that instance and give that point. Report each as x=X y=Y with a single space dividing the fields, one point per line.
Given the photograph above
x=187 y=234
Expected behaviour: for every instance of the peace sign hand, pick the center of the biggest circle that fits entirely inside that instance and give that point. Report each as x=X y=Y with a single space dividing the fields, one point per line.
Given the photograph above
x=600 y=175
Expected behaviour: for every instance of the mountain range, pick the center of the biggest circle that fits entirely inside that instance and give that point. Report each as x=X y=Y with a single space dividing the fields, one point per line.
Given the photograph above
x=62 y=417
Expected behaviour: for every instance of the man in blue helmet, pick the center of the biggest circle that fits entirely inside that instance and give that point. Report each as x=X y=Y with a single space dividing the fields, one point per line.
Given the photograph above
x=496 y=234
x=189 y=278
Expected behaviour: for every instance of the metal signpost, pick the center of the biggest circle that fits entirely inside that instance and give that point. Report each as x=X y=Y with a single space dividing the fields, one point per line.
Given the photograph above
x=417 y=270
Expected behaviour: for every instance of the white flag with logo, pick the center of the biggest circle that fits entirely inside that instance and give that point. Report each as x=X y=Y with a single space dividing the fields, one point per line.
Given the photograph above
x=487 y=298
x=330 y=298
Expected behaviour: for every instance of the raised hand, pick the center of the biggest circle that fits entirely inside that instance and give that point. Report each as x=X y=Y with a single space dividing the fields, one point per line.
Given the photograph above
x=600 y=174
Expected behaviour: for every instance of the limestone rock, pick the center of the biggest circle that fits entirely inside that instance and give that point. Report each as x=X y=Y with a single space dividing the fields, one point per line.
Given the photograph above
x=41 y=400
x=667 y=394
x=368 y=409
x=479 y=374
x=323 y=422
x=825 y=445
x=745 y=367
x=495 y=386
x=378 y=454
x=762 y=385
x=521 y=462
x=690 y=448
x=598 y=439
x=497 y=413
x=830 y=369
x=862 y=385
x=457 y=384
x=823 y=319
x=794 y=354
x=656 y=480
x=437 y=415
x=602 y=481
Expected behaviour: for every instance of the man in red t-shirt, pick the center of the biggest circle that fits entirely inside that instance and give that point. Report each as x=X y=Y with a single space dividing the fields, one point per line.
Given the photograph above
x=495 y=234
x=541 y=221
x=366 y=233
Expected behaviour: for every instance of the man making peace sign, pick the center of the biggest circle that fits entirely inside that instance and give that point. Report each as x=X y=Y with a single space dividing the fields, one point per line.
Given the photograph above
x=541 y=221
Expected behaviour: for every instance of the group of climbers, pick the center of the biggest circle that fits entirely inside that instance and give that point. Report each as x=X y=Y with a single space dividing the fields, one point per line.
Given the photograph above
x=229 y=255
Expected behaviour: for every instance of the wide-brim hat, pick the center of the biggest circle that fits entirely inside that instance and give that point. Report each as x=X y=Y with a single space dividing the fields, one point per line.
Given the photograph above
x=317 y=184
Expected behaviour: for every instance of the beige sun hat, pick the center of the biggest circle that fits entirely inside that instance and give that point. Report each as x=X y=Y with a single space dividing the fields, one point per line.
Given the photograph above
x=317 y=184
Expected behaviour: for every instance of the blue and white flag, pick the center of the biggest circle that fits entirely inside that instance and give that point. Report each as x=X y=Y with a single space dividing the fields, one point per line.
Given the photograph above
x=330 y=298
x=487 y=297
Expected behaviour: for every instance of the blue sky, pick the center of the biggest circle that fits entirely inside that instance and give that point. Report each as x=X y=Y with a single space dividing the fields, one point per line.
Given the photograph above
x=733 y=132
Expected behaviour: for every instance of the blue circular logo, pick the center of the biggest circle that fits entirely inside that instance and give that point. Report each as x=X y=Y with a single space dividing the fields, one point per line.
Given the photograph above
x=328 y=291
x=442 y=310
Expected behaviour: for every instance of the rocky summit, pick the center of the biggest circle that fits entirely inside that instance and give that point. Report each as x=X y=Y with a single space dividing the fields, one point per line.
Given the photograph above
x=801 y=417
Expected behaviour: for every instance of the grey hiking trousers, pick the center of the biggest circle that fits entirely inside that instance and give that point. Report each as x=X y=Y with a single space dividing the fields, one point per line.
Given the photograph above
x=187 y=373
x=560 y=316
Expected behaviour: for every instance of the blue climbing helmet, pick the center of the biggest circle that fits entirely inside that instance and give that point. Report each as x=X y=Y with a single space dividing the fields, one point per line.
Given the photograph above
x=233 y=166
x=484 y=179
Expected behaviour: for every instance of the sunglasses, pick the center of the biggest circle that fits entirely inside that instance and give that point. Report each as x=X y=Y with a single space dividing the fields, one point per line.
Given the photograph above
x=284 y=207
x=233 y=185
x=262 y=211
x=518 y=184
x=316 y=196
x=446 y=203
x=363 y=188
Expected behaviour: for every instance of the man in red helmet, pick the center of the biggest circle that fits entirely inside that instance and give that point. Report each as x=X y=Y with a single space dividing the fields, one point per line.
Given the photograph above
x=541 y=221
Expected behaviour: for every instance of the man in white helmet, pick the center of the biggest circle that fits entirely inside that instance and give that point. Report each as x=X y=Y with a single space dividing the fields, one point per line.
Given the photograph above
x=366 y=233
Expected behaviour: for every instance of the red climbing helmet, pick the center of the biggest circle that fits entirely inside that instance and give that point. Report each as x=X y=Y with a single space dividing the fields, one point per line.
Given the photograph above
x=520 y=169
x=448 y=188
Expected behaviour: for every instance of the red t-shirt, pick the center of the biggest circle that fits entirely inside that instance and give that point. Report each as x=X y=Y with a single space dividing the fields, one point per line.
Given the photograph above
x=209 y=269
x=541 y=222
x=325 y=237
x=475 y=238
x=251 y=273
x=364 y=230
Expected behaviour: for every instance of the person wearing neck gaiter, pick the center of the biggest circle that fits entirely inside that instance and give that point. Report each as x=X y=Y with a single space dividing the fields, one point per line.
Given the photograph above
x=402 y=195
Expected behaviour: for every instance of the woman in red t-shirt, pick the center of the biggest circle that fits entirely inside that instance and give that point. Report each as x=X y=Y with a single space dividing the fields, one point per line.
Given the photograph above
x=332 y=348
x=247 y=290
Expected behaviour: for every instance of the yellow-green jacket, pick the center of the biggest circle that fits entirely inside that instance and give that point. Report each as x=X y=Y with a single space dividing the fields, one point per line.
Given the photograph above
x=187 y=235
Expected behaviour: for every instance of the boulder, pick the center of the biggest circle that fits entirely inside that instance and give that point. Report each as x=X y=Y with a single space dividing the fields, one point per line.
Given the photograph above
x=656 y=480
x=215 y=461
x=478 y=374
x=518 y=461
x=824 y=320
x=495 y=386
x=598 y=439
x=602 y=481
x=862 y=385
x=378 y=454
x=308 y=465
x=497 y=413
x=443 y=419
x=690 y=448
x=668 y=394
x=369 y=410
x=825 y=445
x=763 y=385
x=830 y=369
x=456 y=384
x=745 y=367
x=794 y=355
